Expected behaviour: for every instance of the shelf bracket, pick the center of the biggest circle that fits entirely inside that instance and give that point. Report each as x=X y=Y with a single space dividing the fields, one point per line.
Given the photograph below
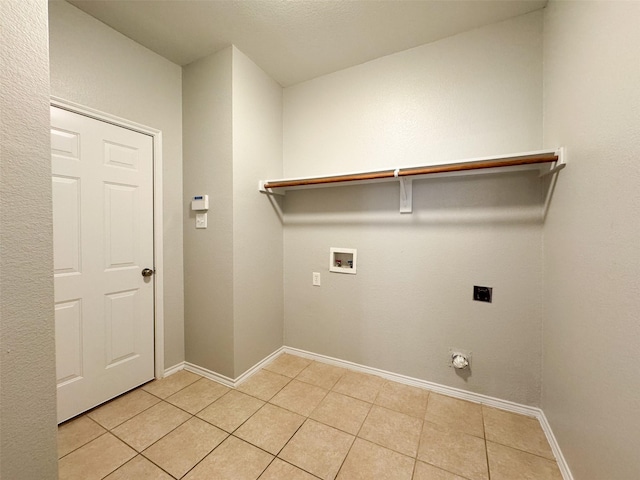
x=268 y=191
x=559 y=165
x=406 y=195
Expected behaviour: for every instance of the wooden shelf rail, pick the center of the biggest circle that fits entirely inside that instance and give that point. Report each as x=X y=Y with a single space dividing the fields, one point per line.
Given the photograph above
x=533 y=159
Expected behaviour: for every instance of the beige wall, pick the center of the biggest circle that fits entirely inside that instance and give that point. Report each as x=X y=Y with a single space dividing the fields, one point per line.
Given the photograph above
x=591 y=237
x=208 y=253
x=475 y=94
x=257 y=227
x=27 y=353
x=233 y=269
x=93 y=65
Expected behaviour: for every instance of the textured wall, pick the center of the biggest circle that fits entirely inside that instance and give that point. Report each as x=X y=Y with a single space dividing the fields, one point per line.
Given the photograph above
x=257 y=226
x=475 y=94
x=233 y=269
x=208 y=253
x=591 y=237
x=27 y=348
x=93 y=65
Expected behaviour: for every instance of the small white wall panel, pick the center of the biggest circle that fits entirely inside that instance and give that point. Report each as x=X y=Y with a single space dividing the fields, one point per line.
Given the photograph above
x=69 y=341
x=120 y=225
x=66 y=225
x=120 y=309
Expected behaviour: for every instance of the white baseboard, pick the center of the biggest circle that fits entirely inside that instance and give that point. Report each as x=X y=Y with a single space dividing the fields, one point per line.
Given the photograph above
x=451 y=392
x=224 y=380
x=174 y=369
x=210 y=374
x=555 y=448
x=414 y=382
x=245 y=376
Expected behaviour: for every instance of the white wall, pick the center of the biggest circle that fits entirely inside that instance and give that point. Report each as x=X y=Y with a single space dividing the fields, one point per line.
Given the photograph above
x=208 y=253
x=233 y=269
x=475 y=94
x=93 y=65
x=257 y=225
x=591 y=237
x=27 y=353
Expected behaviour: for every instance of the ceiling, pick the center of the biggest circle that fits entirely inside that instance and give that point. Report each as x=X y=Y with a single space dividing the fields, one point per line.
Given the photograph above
x=296 y=40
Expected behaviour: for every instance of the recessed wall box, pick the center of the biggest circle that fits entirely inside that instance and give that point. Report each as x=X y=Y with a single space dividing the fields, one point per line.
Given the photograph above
x=343 y=260
x=482 y=294
x=200 y=202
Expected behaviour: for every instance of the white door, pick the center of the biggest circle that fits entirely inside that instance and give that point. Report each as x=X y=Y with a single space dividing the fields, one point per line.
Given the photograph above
x=103 y=239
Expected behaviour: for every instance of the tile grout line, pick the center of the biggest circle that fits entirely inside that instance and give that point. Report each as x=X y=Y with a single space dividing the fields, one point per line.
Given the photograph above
x=424 y=420
x=415 y=463
x=484 y=438
x=84 y=444
x=356 y=436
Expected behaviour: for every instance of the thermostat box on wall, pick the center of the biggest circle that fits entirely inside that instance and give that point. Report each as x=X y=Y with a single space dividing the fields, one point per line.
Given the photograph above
x=343 y=260
x=200 y=202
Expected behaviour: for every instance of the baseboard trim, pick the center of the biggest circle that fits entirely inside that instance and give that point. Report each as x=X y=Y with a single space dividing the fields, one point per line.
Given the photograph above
x=174 y=369
x=245 y=376
x=210 y=374
x=406 y=380
x=452 y=392
x=227 y=381
x=415 y=382
x=555 y=447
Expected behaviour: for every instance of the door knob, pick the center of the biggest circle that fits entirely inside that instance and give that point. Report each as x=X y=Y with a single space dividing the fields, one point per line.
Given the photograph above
x=147 y=272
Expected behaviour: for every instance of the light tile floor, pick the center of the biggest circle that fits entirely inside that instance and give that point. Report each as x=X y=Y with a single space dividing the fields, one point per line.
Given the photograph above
x=300 y=420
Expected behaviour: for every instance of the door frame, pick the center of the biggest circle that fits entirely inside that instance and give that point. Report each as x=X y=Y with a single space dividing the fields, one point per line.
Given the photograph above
x=158 y=277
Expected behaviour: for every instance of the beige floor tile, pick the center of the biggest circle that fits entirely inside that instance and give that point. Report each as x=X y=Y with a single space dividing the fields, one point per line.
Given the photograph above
x=321 y=375
x=341 y=412
x=121 y=409
x=299 y=397
x=264 y=384
x=231 y=410
x=180 y=450
x=359 y=385
x=403 y=399
x=318 y=449
x=506 y=463
x=198 y=395
x=288 y=365
x=169 y=385
x=517 y=431
x=95 y=460
x=75 y=433
x=453 y=451
x=393 y=430
x=279 y=470
x=139 y=468
x=151 y=425
x=367 y=461
x=270 y=428
x=455 y=414
x=424 y=471
x=234 y=459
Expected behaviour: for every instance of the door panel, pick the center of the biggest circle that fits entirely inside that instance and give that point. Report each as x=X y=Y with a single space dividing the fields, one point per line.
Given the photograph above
x=69 y=340
x=103 y=237
x=66 y=224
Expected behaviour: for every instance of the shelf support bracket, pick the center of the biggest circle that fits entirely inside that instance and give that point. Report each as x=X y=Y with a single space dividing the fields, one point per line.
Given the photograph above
x=262 y=189
x=406 y=195
x=559 y=165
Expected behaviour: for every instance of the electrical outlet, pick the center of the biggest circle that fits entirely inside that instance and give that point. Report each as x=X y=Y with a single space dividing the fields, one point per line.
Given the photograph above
x=201 y=220
x=316 y=279
x=482 y=294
